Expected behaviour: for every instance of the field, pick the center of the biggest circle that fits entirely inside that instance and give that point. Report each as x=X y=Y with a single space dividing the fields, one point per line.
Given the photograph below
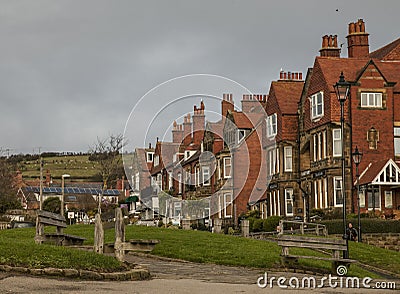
x=18 y=248
x=78 y=166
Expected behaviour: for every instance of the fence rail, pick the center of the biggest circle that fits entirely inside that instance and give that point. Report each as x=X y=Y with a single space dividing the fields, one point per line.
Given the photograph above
x=292 y=227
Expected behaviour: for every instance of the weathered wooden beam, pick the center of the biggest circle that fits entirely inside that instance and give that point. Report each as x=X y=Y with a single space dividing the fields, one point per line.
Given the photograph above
x=98 y=235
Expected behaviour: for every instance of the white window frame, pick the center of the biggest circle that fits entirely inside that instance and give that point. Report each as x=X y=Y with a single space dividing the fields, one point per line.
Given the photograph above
x=314 y=105
x=226 y=204
x=180 y=183
x=396 y=132
x=335 y=152
x=371 y=99
x=156 y=160
x=226 y=159
x=205 y=171
x=148 y=155
x=272 y=125
x=288 y=153
x=335 y=190
x=388 y=199
x=137 y=182
x=362 y=198
x=324 y=143
x=315 y=147
x=170 y=180
x=289 y=199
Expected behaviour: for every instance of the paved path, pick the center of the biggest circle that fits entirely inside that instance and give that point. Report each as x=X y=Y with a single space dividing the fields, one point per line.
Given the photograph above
x=168 y=277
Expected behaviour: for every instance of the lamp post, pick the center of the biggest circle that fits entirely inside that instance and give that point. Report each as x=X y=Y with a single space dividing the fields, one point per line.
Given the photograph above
x=357 y=156
x=342 y=90
x=62 y=191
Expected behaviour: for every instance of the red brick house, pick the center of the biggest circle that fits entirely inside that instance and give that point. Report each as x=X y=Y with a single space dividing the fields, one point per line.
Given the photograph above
x=281 y=148
x=372 y=123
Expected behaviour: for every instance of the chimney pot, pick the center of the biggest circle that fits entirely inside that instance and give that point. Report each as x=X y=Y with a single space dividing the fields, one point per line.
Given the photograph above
x=300 y=76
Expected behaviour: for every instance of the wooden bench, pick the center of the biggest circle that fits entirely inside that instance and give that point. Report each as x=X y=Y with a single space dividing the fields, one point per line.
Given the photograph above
x=133 y=245
x=46 y=218
x=335 y=245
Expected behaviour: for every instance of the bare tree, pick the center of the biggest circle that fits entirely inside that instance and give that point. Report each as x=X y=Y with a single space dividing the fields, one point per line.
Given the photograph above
x=107 y=153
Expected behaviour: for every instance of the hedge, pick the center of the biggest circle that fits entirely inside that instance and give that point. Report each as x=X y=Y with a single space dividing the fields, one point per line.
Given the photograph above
x=367 y=225
x=263 y=225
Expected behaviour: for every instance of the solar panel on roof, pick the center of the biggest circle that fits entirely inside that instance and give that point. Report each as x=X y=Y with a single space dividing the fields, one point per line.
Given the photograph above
x=58 y=190
x=28 y=189
x=116 y=192
x=69 y=190
x=46 y=190
x=53 y=190
x=35 y=189
x=82 y=190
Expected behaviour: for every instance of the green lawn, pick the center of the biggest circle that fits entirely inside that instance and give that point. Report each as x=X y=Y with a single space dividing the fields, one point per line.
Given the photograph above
x=205 y=247
x=18 y=248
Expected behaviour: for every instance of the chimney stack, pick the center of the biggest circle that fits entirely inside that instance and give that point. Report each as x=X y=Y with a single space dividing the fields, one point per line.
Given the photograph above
x=253 y=102
x=177 y=133
x=187 y=130
x=198 y=123
x=290 y=76
x=357 y=40
x=329 y=46
x=227 y=104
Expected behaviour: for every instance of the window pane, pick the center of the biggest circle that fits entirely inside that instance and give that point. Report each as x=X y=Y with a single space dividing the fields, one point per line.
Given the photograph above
x=378 y=97
x=397 y=146
x=388 y=199
x=397 y=131
x=370 y=99
x=363 y=99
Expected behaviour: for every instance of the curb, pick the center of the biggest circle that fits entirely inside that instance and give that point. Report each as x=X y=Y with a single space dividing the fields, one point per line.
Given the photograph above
x=138 y=273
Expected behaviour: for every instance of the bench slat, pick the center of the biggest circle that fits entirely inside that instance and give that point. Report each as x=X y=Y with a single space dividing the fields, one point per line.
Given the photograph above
x=322 y=258
x=52 y=222
x=51 y=215
x=312 y=239
x=312 y=245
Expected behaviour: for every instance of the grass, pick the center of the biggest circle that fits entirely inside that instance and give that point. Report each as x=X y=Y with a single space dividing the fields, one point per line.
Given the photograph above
x=78 y=166
x=18 y=248
x=204 y=247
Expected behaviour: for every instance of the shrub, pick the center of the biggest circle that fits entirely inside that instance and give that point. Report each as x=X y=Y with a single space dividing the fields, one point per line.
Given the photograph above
x=368 y=225
x=271 y=223
x=258 y=225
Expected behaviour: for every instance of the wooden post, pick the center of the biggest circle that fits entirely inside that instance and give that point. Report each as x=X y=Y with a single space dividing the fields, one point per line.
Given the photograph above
x=98 y=235
x=245 y=228
x=302 y=228
x=280 y=231
x=217 y=225
x=119 y=235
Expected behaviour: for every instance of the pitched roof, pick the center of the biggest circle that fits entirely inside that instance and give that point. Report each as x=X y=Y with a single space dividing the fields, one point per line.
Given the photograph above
x=242 y=120
x=382 y=172
x=287 y=94
x=352 y=68
x=166 y=151
x=389 y=52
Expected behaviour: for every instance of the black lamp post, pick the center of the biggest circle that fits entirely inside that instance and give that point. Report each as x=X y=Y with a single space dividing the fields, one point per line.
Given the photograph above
x=342 y=90
x=357 y=156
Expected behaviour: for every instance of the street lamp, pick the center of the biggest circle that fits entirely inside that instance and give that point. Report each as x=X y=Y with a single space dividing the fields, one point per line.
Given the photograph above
x=342 y=90
x=357 y=156
x=62 y=191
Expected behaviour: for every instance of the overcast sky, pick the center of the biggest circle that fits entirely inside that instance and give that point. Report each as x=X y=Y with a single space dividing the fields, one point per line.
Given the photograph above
x=72 y=71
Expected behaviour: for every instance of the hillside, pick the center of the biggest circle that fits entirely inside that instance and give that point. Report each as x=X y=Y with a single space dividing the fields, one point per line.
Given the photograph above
x=78 y=166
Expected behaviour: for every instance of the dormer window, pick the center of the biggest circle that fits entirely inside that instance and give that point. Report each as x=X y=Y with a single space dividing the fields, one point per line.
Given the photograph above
x=271 y=125
x=149 y=156
x=317 y=105
x=372 y=100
